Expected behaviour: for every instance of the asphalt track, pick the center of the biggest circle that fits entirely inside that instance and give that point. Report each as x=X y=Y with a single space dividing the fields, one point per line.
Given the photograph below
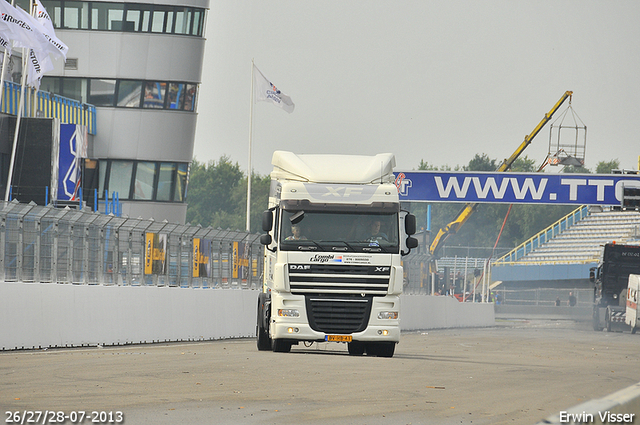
x=518 y=372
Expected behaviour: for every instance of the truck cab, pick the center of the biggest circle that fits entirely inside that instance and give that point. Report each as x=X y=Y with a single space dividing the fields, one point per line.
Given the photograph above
x=334 y=238
x=611 y=278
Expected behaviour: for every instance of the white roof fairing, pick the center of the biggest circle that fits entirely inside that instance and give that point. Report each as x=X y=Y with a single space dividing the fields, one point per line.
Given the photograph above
x=328 y=168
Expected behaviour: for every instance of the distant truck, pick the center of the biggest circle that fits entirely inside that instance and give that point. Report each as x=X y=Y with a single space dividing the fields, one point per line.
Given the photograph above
x=333 y=247
x=632 y=317
x=611 y=279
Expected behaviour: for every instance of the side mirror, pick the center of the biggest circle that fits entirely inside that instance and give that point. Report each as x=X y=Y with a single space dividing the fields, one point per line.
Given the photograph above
x=267 y=221
x=266 y=239
x=410 y=224
x=592 y=275
x=412 y=242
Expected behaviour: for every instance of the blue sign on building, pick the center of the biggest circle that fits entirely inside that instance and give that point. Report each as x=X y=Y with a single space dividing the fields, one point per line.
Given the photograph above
x=513 y=188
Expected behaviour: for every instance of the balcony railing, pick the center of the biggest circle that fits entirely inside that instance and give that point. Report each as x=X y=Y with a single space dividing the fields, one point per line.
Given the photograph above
x=40 y=104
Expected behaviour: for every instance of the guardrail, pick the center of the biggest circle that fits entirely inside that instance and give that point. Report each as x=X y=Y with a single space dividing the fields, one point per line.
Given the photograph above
x=41 y=104
x=544 y=236
x=550 y=262
x=47 y=244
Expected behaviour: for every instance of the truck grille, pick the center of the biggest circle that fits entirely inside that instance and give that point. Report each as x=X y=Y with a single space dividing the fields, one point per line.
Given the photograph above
x=338 y=316
x=307 y=279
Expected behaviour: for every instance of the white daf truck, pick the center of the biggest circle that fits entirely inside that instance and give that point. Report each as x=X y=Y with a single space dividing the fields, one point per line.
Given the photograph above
x=333 y=247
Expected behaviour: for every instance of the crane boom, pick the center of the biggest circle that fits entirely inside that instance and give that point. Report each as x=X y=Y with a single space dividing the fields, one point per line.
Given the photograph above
x=469 y=208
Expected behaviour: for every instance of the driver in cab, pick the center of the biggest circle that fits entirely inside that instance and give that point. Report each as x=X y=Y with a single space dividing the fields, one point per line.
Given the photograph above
x=375 y=233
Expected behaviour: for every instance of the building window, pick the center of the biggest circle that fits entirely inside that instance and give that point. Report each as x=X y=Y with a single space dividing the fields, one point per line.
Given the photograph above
x=125 y=93
x=154 y=95
x=76 y=15
x=101 y=92
x=75 y=88
x=181 y=180
x=142 y=180
x=166 y=178
x=129 y=93
x=176 y=95
x=190 y=98
x=102 y=172
x=54 y=9
x=119 y=177
x=183 y=21
x=126 y=17
x=198 y=22
x=144 y=183
x=139 y=16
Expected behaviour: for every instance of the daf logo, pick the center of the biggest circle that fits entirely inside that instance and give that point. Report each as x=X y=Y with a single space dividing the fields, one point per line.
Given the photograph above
x=299 y=267
x=382 y=269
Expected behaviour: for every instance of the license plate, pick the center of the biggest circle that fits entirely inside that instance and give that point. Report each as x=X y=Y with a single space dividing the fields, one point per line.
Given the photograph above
x=338 y=338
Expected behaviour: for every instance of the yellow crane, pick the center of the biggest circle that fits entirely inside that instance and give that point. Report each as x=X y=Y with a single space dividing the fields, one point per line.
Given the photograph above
x=469 y=208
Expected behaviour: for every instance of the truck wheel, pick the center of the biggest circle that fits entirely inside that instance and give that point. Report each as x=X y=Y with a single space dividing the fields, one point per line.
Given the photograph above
x=596 y=320
x=262 y=338
x=262 y=334
x=281 y=346
x=607 y=320
x=356 y=348
x=633 y=330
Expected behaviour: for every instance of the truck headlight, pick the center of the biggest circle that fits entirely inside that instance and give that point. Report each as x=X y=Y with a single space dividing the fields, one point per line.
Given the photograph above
x=288 y=312
x=388 y=315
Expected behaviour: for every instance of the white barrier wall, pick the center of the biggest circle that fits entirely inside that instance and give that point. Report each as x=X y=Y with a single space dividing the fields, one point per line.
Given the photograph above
x=426 y=312
x=51 y=315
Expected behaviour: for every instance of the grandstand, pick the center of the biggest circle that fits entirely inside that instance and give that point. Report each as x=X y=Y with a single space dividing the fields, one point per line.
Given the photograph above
x=566 y=250
x=584 y=240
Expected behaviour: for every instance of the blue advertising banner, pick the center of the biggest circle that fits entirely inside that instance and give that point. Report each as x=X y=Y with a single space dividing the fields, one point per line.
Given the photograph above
x=513 y=188
x=72 y=148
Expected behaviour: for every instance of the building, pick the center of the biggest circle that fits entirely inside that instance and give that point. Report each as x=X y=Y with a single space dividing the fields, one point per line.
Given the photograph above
x=140 y=64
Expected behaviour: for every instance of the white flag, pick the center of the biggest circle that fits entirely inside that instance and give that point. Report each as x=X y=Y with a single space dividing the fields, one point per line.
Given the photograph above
x=13 y=29
x=24 y=31
x=264 y=90
x=43 y=17
x=44 y=39
x=5 y=43
x=38 y=66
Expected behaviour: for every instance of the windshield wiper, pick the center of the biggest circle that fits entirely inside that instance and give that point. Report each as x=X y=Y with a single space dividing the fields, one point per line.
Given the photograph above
x=313 y=247
x=344 y=246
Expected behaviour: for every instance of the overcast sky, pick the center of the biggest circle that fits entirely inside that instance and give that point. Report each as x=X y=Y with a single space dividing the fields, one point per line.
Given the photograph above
x=437 y=81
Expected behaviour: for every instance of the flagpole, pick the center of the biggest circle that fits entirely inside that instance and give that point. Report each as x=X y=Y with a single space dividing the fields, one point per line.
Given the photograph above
x=15 y=134
x=250 y=143
x=5 y=57
x=19 y=115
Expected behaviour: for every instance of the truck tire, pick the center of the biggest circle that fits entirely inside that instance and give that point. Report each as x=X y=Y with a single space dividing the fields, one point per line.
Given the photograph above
x=596 y=320
x=281 y=346
x=634 y=329
x=262 y=333
x=607 y=320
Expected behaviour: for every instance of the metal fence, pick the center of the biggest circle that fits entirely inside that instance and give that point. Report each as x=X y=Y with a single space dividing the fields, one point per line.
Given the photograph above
x=543 y=296
x=455 y=274
x=46 y=244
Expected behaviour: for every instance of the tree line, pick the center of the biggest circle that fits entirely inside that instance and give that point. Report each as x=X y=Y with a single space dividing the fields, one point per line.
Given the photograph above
x=217 y=193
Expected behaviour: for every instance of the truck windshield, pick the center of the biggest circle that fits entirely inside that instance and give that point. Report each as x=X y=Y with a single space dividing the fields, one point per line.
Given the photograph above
x=339 y=231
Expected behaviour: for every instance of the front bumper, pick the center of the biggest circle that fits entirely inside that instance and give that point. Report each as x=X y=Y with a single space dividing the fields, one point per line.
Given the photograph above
x=298 y=328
